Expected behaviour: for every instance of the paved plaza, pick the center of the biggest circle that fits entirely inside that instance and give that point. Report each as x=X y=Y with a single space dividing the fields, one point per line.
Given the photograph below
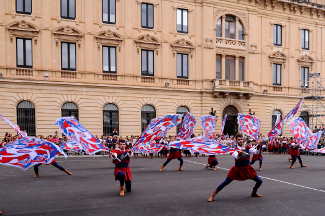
x=92 y=189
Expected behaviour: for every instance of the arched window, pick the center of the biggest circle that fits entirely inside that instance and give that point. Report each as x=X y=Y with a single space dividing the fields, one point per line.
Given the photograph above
x=110 y=119
x=26 y=117
x=274 y=117
x=228 y=23
x=148 y=113
x=181 y=110
x=70 y=109
x=305 y=116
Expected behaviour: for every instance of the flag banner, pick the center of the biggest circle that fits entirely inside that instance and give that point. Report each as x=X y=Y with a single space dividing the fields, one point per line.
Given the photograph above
x=276 y=131
x=157 y=129
x=299 y=129
x=187 y=127
x=28 y=151
x=322 y=150
x=72 y=146
x=76 y=132
x=14 y=126
x=201 y=145
x=152 y=148
x=223 y=125
x=312 y=141
x=278 y=119
x=208 y=124
x=249 y=125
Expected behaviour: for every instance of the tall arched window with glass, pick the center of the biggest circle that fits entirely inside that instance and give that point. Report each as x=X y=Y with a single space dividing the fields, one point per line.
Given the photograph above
x=26 y=117
x=70 y=109
x=148 y=113
x=110 y=119
x=274 y=117
x=229 y=26
x=181 y=110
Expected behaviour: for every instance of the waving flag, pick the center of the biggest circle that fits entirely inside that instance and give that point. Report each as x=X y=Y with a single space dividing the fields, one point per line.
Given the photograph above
x=76 y=132
x=156 y=129
x=208 y=124
x=28 y=151
x=249 y=125
x=201 y=145
x=152 y=148
x=187 y=127
x=14 y=126
x=223 y=124
x=278 y=119
x=299 y=129
x=322 y=150
x=72 y=146
x=276 y=131
x=312 y=141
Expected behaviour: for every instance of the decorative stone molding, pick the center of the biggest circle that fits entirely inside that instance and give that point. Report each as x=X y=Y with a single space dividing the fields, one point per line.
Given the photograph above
x=305 y=27
x=183 y=46
x=208 y=43
x=253 y=48
x=219 y=12
x=306 y=61
x=278 y=58
x=147 y=42
x=23 y=29
x=67 y=33
x=109 y=38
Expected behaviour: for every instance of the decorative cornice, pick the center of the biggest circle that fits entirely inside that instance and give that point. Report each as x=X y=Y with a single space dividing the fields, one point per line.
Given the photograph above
x=278 y=57
x=147 y=42
x=109 y=37
x=24 y=29
x=67 y=33
x=184 y=46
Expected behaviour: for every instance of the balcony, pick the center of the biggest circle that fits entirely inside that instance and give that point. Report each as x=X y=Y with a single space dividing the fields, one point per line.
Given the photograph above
x=224 y=88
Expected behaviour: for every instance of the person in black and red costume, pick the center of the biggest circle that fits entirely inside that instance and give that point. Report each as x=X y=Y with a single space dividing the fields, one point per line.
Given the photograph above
x=258 y=156
x=212 y=162
x=173 y=154
x=54 y=163
x=242 y=169
x=296 y=154
x=121 y=159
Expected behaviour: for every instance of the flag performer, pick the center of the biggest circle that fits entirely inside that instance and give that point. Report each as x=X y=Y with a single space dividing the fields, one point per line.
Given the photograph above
x=259 y=156
x=212 y=162
x=54 y=163
x=296 y=154
x=173 y=154
x=121 y=159
x=242 y=169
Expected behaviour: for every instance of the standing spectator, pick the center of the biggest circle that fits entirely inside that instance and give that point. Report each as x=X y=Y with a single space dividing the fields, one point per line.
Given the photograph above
x=115 y=132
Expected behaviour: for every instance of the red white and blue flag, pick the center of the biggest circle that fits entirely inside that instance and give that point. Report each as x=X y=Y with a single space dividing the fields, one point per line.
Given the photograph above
x=276 y=131
x=208 y=124
x=152 y=148
x=76 y=132
x=249 y=125
x=72 y=146
x=14 y=126
x=187 y=127
x=156 y=129
x=322 y=150
x=223 y=125
x=299 y=130
x=278 y=119
x=311 y=142
x=28 y=151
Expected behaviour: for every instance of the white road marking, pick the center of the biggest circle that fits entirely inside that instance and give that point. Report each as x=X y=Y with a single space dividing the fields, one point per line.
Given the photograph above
x=284 y=182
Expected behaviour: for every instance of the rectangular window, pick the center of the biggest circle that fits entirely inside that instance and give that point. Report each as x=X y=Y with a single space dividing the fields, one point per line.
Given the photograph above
x=68 y=56
x=24 y=6
x=147 y=16
x=109 y=59
x=182 y=20
x=304 y=76
x=219 y=29
x=68 y=9
x=218 y=67
x=230 y=67
x=147 y=62
x=277 y=74
x=109 y=11
x=24 y=53
x=277 y=35
x=182 y=66
x=305 y=39
x=241 y=69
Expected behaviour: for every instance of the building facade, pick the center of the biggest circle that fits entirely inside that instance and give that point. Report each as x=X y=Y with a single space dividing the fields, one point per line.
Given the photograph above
x=119 y=63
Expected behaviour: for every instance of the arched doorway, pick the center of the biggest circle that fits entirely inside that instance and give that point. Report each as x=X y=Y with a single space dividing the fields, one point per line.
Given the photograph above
x=231 y=126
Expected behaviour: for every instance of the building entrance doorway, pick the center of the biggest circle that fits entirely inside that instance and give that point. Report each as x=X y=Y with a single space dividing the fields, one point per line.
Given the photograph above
x=231 y=126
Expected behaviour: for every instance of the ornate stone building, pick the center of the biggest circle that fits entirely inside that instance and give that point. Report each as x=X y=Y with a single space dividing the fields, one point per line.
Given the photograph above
x=119 y=63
